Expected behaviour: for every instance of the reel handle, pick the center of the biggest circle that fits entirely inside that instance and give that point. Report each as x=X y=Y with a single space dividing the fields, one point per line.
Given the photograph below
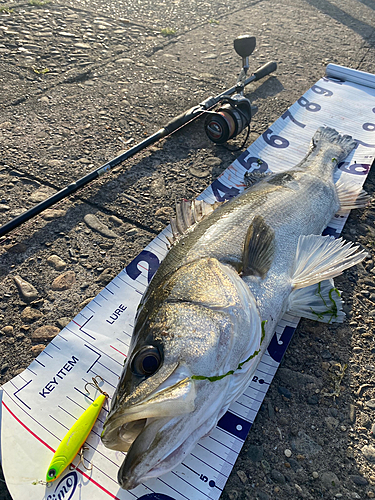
x=265 y=70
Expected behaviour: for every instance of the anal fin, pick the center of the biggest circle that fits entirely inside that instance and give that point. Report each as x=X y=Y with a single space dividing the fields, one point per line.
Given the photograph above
x=321 y=257
x=351 y=195
x=321 y=302
x=259 y=248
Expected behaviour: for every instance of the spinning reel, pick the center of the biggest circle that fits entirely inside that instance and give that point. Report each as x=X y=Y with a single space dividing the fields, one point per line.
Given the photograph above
x=234 y=114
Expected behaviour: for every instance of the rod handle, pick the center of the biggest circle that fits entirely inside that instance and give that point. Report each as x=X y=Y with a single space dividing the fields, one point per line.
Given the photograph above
x=182 y=119
x=265 y=70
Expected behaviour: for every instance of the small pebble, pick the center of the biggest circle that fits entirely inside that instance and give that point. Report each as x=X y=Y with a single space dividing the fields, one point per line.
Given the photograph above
x=63 y=322
x=64 y=281
x=37 y=349
x=255 y=453
x=358 y=480
x=41 y=194
x=288 y=453
x=298 y=488
x=262 y=495
x=330 y=480
x=51 y=214
x=369 y=453
x=315 y=475
x=27 y=292
x=4 y=368
x=371 y=494
x=243 y=477
x=106 y=276
x=85 y=302
x=45 y=332
x=94 y=223
x=131 y=232
x=277 y=476
x=313 y=400
x=30 y=314
x=56 y=262
x=284 y=392
x=7 y=330
x=352 y=413
x=115 y=220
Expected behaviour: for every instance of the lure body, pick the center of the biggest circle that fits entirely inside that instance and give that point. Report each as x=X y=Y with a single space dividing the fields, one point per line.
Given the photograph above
x=74 y=439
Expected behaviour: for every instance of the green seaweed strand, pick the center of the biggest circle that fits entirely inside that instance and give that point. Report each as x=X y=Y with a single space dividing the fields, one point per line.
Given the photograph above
x=332 y=309
x=239 y=367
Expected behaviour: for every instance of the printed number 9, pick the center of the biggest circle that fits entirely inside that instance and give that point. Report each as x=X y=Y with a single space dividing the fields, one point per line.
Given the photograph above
x=321 y=91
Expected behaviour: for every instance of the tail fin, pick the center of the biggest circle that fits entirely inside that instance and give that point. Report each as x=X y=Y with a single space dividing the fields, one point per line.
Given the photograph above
x=331 y=136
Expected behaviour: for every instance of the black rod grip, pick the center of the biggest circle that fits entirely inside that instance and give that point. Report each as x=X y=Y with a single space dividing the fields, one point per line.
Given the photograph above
x=183 y=118
x=265 y=70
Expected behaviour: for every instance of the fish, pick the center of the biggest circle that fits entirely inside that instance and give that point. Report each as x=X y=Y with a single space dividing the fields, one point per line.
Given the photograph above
x=212 y=307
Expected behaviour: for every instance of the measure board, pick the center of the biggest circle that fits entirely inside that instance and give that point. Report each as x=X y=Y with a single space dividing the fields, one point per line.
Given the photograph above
x=43 y=402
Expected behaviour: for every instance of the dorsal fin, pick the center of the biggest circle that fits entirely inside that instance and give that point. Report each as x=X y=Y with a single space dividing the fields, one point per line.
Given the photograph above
x=259 y=248
x=252 y=178
x=189 y=213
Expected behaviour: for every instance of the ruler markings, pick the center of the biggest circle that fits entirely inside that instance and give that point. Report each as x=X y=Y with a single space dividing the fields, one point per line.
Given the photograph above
x=32 y=418
x=86 y=342
x=204 y=462
x=189 y=483
x=200 y=445
x=118 y=350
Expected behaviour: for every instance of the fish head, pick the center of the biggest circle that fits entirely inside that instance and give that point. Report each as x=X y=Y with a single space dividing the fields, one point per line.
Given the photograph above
x=166 y=399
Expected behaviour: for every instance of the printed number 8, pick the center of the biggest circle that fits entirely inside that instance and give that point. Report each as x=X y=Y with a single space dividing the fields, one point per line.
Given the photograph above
x=310 y=106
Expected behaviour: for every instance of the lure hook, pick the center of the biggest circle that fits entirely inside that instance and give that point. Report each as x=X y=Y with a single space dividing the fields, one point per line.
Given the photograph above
x=81 y=459
x=95 y=384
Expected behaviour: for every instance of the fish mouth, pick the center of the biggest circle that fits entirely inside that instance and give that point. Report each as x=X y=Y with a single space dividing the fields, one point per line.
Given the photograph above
x=152 y=455
x=175 y=396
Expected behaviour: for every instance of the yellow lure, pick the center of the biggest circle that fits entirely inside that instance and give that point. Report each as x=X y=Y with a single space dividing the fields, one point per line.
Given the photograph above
x=74 y=439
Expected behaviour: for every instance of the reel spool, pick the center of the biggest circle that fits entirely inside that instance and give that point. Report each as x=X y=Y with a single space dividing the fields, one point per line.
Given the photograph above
x=229 y=120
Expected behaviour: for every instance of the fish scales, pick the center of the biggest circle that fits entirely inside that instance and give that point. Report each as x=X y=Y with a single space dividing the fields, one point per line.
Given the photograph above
x=212 y=307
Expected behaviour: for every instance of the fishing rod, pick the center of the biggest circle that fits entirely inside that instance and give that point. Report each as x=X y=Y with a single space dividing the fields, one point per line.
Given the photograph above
x=229 y=120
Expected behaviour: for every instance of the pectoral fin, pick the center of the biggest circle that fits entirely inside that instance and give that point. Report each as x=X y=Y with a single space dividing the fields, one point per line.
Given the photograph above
x=259 y=248
x=321 y=257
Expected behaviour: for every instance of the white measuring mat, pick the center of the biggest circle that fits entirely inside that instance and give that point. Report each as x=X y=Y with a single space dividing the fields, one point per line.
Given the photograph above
x=44 y=401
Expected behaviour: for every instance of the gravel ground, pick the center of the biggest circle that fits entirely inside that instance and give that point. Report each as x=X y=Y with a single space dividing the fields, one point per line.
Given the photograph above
x=80 y=81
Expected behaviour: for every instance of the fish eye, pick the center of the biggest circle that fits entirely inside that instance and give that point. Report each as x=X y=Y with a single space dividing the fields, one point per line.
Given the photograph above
x=51 y=473
x=146 y=361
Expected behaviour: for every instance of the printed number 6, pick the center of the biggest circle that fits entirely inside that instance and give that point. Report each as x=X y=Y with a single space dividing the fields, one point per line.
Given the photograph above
x=275 y=140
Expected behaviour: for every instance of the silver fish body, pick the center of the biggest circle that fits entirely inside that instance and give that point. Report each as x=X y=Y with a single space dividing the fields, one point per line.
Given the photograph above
x=212 y=307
